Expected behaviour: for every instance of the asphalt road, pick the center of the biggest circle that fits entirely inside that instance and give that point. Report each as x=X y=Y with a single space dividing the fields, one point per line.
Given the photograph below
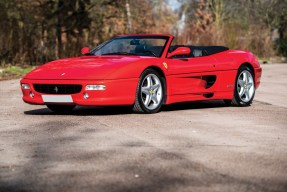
x=197 y=146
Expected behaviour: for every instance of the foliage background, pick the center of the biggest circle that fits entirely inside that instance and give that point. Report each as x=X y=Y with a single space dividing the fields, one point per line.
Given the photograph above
x=33 y=32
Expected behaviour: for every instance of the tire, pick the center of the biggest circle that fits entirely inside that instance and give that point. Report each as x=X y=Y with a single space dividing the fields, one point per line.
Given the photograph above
x=244 y=88
x=150 y=92
x=61 y=108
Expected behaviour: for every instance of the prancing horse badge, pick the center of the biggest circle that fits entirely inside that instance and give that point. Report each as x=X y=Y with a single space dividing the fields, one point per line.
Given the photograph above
x=165 y=65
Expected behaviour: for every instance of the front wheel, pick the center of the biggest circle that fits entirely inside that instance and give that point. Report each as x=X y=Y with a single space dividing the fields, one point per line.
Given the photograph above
x=150 y=92
x=244 y=89
x=61 y=108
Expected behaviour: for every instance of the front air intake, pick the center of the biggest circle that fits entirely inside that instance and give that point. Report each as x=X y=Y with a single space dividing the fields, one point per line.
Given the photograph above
x=60 y=89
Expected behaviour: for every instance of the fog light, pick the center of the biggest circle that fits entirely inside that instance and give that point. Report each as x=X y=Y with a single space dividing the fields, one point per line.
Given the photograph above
x=25 y=86
x=95 y=87
x=86 y=96
x=31 y=94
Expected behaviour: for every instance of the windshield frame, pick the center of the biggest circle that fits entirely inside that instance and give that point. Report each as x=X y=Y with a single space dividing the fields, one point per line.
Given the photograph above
x=166 y=38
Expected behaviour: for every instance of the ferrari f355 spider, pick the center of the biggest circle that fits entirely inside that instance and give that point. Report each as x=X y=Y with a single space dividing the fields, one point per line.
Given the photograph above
x=146 y=72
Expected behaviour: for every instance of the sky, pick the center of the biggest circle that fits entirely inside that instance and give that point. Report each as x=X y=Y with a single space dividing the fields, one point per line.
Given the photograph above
x=174 y=4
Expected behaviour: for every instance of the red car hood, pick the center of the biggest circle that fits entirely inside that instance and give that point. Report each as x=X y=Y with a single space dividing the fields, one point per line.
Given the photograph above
x=86 y=67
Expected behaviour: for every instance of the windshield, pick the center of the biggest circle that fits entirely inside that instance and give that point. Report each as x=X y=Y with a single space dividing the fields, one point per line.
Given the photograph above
x=132 y=45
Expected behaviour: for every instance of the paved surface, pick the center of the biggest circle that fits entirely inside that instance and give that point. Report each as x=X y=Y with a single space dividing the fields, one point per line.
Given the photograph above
x=187 y=147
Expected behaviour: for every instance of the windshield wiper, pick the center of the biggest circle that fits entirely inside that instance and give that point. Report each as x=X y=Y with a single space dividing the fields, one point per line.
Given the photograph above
x=119 y=53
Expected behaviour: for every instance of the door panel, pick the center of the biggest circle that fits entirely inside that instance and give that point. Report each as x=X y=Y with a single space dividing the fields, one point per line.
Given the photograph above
x=191 y=75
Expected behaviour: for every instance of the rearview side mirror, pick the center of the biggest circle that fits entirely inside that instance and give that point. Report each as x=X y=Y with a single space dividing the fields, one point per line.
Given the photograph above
x=85 y=51
x=179 y=51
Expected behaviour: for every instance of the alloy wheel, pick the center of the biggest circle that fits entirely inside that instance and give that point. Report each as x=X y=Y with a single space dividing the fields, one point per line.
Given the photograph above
x=245 y=86
x=151 y=91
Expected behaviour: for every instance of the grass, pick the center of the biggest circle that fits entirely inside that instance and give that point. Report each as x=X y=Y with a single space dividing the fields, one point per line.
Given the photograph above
x=12 y=72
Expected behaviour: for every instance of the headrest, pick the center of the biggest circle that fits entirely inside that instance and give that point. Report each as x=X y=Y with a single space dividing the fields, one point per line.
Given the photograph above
x=197 y=53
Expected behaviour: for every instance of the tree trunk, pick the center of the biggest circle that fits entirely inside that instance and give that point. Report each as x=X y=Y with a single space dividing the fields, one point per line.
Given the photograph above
x=59 y=28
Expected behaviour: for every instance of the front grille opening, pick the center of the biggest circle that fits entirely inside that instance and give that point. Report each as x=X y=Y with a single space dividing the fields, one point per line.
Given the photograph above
x=57 y=88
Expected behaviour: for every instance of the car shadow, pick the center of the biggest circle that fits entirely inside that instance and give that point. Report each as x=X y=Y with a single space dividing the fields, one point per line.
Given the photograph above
x=194 y=105
x=121 y=110
x=84 y=111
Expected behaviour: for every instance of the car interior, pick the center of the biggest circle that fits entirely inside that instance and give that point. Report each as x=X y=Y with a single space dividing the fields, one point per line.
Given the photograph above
x=199 y=51
x=196 y=51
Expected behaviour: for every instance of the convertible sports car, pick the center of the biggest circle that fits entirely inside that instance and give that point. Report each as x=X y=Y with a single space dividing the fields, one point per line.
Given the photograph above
x=146 y=72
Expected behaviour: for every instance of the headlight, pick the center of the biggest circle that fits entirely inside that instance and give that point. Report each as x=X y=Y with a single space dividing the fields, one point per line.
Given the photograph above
x=95 y=87
x=25 y=86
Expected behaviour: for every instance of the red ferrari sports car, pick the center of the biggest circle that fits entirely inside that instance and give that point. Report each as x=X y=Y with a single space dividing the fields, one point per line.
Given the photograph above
x=146 y=72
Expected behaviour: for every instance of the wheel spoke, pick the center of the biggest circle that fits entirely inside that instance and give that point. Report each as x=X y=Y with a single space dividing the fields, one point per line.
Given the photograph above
x=149 y=82
x=245 y=78
x=241 y=82
x=242 y=92
x=246 y=95
x=147 y=100
x=154 y=99
x=155 y=87
x=145 y=90
x=249 y=85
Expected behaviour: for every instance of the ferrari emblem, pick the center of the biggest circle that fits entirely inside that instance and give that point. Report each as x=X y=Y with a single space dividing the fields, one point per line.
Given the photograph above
x=56 y=89
x=165 y=65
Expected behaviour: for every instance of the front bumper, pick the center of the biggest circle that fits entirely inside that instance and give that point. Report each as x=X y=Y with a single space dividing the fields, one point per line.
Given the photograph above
x=118 y=92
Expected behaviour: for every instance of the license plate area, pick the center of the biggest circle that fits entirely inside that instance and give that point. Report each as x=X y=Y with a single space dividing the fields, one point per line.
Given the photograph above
x=57 y=98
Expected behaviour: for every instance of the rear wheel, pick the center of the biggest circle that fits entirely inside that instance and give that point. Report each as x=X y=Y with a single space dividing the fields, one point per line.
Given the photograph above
x=61 y=108
x=150 y=92
x=244 y=89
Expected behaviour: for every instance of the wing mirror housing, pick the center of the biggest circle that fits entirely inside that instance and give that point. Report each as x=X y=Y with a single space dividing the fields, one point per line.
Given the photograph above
x=85 y=51
x=179 y=51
